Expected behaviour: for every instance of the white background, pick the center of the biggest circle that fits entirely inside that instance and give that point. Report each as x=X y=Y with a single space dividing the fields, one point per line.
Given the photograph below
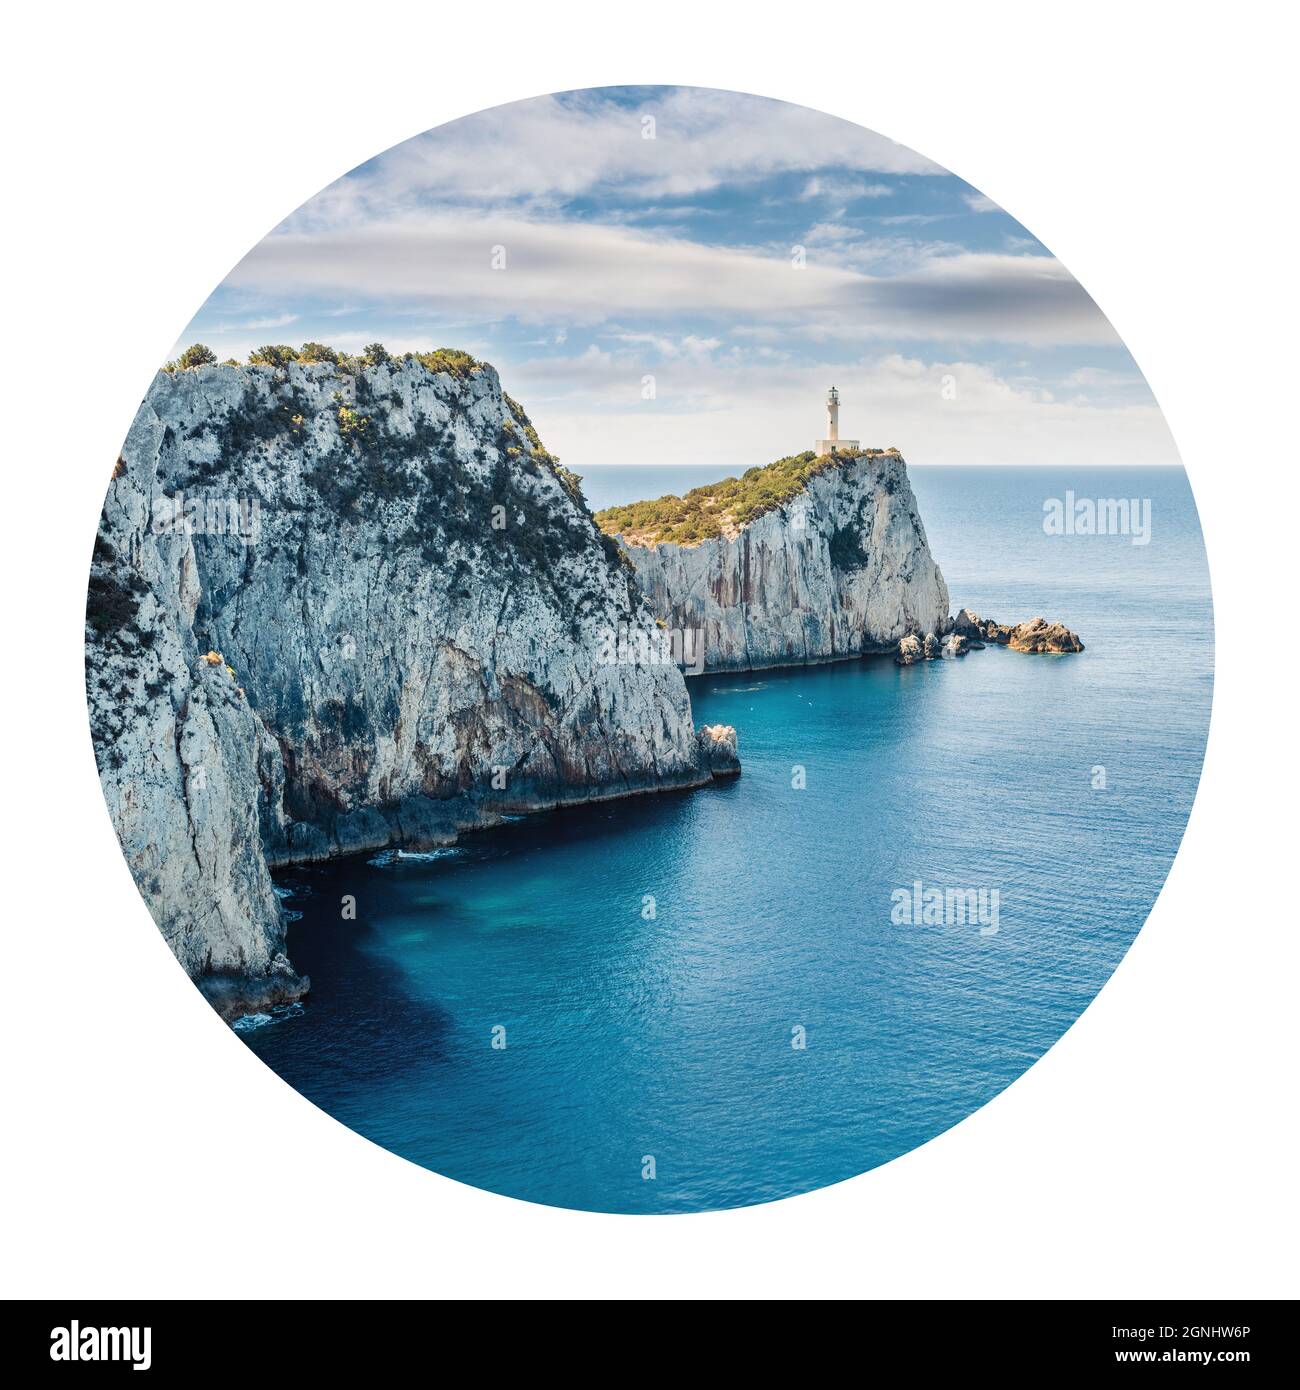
x=1151 y=1152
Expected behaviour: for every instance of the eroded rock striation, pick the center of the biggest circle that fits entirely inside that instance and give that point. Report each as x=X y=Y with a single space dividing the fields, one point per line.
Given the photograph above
x=181 y=752
x=339 y=610
x=838 y=569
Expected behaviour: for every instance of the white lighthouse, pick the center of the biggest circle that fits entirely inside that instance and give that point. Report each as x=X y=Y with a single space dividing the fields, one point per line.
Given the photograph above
x=833 y=443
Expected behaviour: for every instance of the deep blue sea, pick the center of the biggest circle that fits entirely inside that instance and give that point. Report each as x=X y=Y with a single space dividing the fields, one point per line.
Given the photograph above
x=629 y=1037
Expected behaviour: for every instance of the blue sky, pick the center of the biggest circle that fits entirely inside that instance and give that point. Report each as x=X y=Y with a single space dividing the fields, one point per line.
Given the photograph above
x=950 y=331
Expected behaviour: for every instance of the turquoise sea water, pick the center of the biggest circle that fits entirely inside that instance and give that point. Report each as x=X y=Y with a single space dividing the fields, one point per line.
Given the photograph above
x=628 y=1037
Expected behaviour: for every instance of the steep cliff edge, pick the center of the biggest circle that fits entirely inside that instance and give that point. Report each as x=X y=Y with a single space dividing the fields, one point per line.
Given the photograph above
x=334 y=610
x=808 y=560
x=180 y=753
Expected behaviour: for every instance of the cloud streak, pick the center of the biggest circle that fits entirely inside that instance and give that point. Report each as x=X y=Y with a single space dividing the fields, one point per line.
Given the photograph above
x=586 y=273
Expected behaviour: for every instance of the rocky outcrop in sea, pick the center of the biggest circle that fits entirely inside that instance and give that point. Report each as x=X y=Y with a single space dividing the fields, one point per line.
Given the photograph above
x=1035 y=636
x=968 y=632
x=718 y=749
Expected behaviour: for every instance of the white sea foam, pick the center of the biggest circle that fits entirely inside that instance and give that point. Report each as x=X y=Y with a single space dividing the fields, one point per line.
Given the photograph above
x=251 y=1021
x=388 y=857
x=278 y=1014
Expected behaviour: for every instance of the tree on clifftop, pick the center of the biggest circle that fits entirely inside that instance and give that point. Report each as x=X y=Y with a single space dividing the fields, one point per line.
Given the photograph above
x=197 y=355
x=273 y=355
x=318 y=352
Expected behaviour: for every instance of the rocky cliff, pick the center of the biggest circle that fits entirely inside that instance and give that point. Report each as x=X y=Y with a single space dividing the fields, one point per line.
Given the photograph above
x=836 y=567
x=337 y=610
x=181 y=752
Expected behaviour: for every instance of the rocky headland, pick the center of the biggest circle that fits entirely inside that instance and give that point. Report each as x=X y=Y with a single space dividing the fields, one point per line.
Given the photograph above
x=807 y=560
x=339 y=605
x=810 y=559
x=334 y=610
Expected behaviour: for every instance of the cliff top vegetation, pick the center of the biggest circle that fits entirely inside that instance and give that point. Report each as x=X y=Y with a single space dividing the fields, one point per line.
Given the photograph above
x=450 y=360
x=719 y=509
x=356 y=425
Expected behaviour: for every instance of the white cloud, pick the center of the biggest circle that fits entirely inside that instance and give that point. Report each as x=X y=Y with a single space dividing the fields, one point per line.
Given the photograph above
x=977 y=202
x=691 y=345
x=919 y=219
x=694 y=346
x=842 y=189
x=277 y=321
x=846 y=246
x=585 y=273
x=560 y=147
x=830 y=231
x=1103 y=377
x=659 y=342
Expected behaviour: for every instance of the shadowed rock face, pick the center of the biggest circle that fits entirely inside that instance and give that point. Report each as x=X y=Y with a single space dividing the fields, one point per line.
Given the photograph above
x=841 y=569
x=404 y=642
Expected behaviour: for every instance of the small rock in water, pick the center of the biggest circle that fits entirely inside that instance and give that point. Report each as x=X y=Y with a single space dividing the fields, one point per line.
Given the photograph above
x=1038 y=635
x=718 y=750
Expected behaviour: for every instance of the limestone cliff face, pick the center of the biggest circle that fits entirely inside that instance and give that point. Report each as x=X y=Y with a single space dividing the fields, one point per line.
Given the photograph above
x=840 y=569
x=334 y=612
x=181 y=752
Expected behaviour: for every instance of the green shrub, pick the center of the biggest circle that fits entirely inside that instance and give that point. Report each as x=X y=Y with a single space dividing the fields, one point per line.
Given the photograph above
x=277 y=355
x=196 y=355
x=350 y=422
x=375 y=355
x=318 y=352
x=450 y=360
x=570 y=481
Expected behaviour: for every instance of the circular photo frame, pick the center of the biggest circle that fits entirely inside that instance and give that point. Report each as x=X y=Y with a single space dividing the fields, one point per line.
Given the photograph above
x=643 y=701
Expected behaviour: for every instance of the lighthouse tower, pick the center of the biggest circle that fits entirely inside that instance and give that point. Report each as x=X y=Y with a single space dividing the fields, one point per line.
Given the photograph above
x=833 y=443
